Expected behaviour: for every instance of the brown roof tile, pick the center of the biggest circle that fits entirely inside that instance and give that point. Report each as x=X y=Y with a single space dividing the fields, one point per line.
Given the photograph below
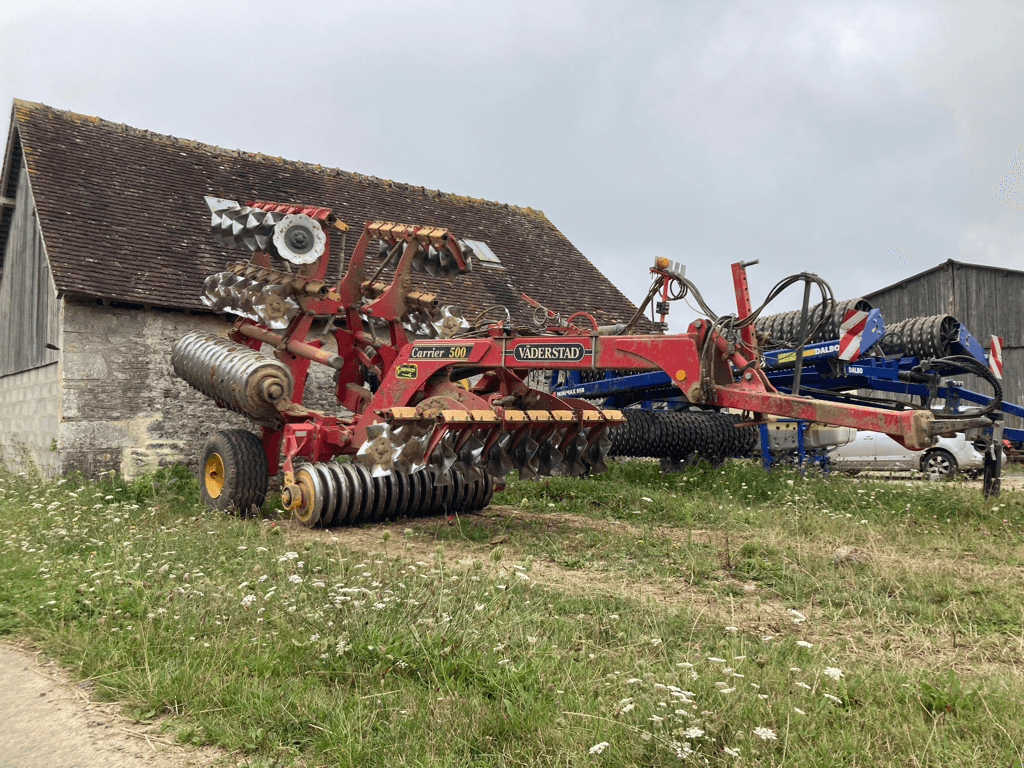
x=123 y=218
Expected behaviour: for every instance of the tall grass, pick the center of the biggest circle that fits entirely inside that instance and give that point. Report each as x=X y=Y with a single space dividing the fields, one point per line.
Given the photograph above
x=433 y=648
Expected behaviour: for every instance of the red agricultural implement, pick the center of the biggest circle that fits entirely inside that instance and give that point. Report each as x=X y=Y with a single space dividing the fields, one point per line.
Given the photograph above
x=421 y=441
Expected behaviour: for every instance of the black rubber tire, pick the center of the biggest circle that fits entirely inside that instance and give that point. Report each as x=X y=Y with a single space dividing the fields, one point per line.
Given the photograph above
x=938 y=464
x=245 y=477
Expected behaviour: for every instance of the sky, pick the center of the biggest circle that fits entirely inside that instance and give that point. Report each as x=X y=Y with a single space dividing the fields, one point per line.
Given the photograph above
x=864 y=142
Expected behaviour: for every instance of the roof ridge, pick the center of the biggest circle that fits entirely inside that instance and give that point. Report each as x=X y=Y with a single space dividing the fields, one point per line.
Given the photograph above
x=22 y=107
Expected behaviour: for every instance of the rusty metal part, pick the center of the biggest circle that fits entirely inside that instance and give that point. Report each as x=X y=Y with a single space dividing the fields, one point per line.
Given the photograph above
x=416 y=299
x=239 y=378
x=297 y=282
x=299 y=348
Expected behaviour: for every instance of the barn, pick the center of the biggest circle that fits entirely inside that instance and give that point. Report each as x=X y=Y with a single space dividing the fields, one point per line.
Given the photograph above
x=987 y=300
x=104 y=247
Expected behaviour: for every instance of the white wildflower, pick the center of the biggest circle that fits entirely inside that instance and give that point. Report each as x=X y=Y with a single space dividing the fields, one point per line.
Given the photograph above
x=732 y=629
x=799 y=711
x=765 y=733
x=598 y=748
x=804 y=644
x=832 y=672
x=833 y=699
x=248 y=600
x=732 y=752
x=804 y=685
x=295 y=579
x=716 y=659
x=693 y=733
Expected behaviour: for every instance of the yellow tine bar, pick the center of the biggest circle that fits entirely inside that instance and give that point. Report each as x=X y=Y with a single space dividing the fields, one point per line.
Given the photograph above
x=456 y=417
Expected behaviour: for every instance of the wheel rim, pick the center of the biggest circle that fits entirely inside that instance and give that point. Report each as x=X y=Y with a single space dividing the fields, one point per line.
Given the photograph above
x=938 y=466
x=308 y=510
x=213 y=475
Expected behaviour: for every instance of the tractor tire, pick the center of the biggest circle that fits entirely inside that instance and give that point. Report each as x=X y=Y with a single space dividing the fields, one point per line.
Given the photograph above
x=938 y=465
x=234 y=474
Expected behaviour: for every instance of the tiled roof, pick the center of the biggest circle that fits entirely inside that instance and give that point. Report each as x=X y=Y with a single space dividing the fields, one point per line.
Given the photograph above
x=123 y=218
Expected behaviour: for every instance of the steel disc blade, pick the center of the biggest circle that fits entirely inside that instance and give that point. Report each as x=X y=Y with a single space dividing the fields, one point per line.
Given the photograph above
x=419 y=260
x=594 y=456
x=377 y=454
x=275 y=306
x=441 y=479
x=523 y=456
x=411 y=456
x=572 y=464
x=441 y=460
x=548 y=458
x=432 y=262
x=498 y=463
x=472 y=452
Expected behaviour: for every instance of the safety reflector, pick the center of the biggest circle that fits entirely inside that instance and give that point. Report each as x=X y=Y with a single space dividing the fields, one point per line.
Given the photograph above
x=995 y=357
x=851 y=333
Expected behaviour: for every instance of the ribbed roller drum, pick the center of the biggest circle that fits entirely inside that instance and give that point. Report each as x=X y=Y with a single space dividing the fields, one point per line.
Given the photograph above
x=236 y=376
x=681 y=435
x=921 y=336
x=784 y=327
x=346 y=493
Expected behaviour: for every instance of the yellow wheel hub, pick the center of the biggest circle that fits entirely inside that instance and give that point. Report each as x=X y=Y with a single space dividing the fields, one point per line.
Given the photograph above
x=213 y=475
x=303 y=505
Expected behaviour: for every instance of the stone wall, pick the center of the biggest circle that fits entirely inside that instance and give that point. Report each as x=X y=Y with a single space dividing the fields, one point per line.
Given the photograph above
x=123 y=407
x=28 y=420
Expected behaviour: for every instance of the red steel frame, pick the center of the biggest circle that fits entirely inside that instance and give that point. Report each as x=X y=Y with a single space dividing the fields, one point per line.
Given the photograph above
x=416 y=376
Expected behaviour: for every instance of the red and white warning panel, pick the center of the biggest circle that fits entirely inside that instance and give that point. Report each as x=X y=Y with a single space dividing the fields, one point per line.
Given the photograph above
x=852 y=334
x=995 y=356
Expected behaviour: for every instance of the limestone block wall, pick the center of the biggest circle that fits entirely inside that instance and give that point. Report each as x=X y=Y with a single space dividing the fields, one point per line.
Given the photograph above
x=28 y=420
x=122 y=407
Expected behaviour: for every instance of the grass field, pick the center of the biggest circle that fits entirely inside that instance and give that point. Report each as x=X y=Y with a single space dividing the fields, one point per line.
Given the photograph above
x=711 y=617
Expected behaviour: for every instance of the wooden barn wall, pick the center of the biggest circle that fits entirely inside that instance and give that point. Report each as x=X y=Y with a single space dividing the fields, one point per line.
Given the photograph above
x=29 y=308
x=988 y=301
x=930 y=294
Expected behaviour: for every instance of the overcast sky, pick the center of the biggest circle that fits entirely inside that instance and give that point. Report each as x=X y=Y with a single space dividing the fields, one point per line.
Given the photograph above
x=862 y=141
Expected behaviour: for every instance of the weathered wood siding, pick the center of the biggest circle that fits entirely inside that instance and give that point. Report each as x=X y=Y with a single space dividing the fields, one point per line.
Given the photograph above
x=29 y=308
x=920 y=296
x=987 y=300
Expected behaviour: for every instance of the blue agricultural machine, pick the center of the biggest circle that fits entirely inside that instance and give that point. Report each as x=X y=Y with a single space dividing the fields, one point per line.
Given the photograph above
x=832 y=351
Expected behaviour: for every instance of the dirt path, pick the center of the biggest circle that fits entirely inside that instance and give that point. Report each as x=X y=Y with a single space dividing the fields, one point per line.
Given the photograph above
x=46 y=721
